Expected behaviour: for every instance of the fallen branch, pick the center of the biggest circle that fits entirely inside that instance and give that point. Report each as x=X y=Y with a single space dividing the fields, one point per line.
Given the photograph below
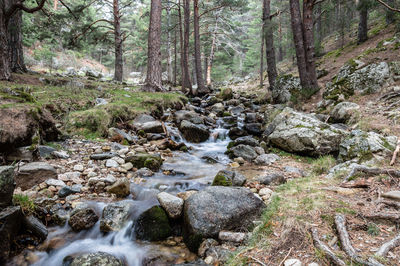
x=327 y=251
x=258 y=261
x=340 y=222
x=396 y=151
x=390 y=203
x=386 y=247
x=369 y=171
x=384 y=216
x=362 y=183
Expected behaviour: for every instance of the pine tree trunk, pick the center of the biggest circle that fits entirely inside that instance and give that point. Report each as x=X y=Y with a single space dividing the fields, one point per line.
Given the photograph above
x=169 y=48
x=262 y=48
x=299 y=42
x=175 y=57
x=153 y=79
x=15 y=43
x=280 y=50
x=186 y=18
x=119 y=64
x=201 y=88
x=5 y=66
x=363 y=24
x=212 y=52
x=309 y=44
x=269 y=45
x=183 y=78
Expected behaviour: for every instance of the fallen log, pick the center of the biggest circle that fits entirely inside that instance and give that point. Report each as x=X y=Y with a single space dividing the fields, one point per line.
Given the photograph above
x=325 y=249
x=370 y=171
x=386 y=247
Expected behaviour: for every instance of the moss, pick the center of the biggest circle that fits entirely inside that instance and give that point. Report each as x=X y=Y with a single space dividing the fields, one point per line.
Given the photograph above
x=221 y=180
x=226 y=114
x=141 y=133
x=153 y=225
x=230 y=145
x=153 y=162
x=184 y=148
x=94 y=120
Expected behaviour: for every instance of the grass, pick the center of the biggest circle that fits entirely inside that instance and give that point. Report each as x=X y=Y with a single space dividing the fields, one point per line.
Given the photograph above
x=296 y=157
x=26 y=204
x=323 y=164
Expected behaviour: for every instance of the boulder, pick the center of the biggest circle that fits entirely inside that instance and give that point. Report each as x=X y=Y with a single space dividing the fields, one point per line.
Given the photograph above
x=272 y=179
x=151 y=127
x=285 y=86
x=364 y=146
x=246 y=140
x=32 y=174
x=10 y=221
x=171 y=204
x=121 y=188
x=190 y=116
x=245 y=151
x=226 y=94
x=93 y=259
x=115 y=133
x=236 y=132
x=115 y=215
x=141 y=160
x=266 y=159
x=343 y=111
x=215 y=209
x=254 y=128
x=195 y=133
x=228 y=178
x=297 y=132
x=82 y=219
x=34 y=226
x=153 y=225
x=7 y=185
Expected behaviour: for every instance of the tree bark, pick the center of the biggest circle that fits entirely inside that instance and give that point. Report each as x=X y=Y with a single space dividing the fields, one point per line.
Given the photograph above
x=186 y=18
x=269 y=45
x=201 y=88
x=153 y=79
x=15 y=43
x=119 y=64
x=175 y=57
x=5 y=64
x=363 y=23
x=181 y=44
x=169 y=47
x=212 y=52
x=262 y=48
x=309 y=44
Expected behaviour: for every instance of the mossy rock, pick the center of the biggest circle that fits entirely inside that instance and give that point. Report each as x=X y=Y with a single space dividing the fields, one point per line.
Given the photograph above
x=222 y=180
x=151 y=161
x=226 y=94
x=93 y=120
x=153 y=225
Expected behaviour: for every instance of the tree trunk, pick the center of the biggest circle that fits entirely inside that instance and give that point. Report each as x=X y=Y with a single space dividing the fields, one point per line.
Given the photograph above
x=175 y=57
x=318 y=30
x=55 y=4
x=16 y=52
x=5 y=66
x=212 y=52
x=183 y=78
x=119 y=64
x=269 y=45
x=262 y=48
x=363 y=24
x=186 y=18
x=169 y=48
x=153 y=79
x=280 y=52
x=299 y=42
x=201 y=88
x=309 y=44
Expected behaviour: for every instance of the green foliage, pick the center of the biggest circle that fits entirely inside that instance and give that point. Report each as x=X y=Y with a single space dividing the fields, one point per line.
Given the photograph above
x=373 y=229
x=323 y=164
x=44 y=55
x=26 y=204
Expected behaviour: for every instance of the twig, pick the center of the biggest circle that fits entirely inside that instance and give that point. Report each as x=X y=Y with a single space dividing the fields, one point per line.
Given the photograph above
x=287 y=255
x=396 y=151
x=327 y=251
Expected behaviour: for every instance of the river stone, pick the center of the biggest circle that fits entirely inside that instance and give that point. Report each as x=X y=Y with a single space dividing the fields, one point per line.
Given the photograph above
x=103 y=156
x=46 y=151
x=171 y=204
x=246 y=140
x=34 y=226
x=32 y=174
x=110 y=163
x=235 y=237
x=343 y=112
x=82 y=219
x=254 y=128
x=114 y=216
x=67 y=190
x=236 y=132
x=153 y=225
x=190 y=116
x=121 y=188
x=272 y=179
x=228 y=178
x=266 y=159
x=215 y=209
x=302 y=133
x=151 y=127
x=10 y=221
x=141 y=160
x=245 y=151
x=195 y=133
x=93 y=259
x=115 y=133
x=55 y=182
x=395 y=195
x=7 y=185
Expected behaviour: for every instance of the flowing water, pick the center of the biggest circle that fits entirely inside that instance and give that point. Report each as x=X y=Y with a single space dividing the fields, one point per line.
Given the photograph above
x=193 y=170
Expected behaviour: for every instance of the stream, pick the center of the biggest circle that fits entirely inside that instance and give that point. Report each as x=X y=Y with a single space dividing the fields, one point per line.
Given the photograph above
x=192 y=170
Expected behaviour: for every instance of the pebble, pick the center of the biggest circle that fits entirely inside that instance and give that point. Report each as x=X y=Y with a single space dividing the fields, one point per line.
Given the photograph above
x=265 y=192
x=78 y=168
x=127 y=166
x=118 y=160
x=292 y=262
x=239 y=160
x=111 y=163
x=55 y=183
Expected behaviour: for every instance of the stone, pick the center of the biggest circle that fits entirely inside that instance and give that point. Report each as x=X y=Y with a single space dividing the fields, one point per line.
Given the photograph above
x=235 y=237
x=34 y=226
x=297 y=132
x=217 y=208
x=118 y=133
x=195 y=133
x=114 y=216
x=343 y=111
x=171 y=204
x=265 y=192
x=246 y=140
x=272 y=179
x=82 y=219
x=110 y=163
x=127 y=166
x=32 y=174
x=55 y=182
x=293 y=170
x=93 y=259
x=150 y=161
x=102 y=156
x=7 y=185
x=121 y=188
x=153 y=225
x=151 y=127
x=60 y=154
x=226 y=94
x=266 y=159
x=292 y=262
x=67 y=190
x=236 y=132
x=144 y=172
x=78 y=167
x=10 y=221
x=395 y=195
x=285 y=87
x=205 y=245
x=245 y=151
x=254 y=129
x=45 y=151
x=190 y=116
x=228 y=178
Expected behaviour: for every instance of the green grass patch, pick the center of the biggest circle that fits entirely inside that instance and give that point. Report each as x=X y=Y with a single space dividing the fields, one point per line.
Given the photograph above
x=323 y=164
x=26 y=204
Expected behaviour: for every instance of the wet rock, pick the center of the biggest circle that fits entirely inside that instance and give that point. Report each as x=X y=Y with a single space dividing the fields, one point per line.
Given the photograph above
x=301 y=133
x=266 y=159
x=103 y=156
x=254 y=129
x=114 y=216
x=151 y=127
x=343 y=112
x=144 y=172
x=247 y=140
x=67 y=190
x=170 y=144
x=245 y=151
x=121 y=188
x=235 y=237
x=115 y=133
x=195 y=133
x=7 y=185
x=34 y=226
x=395 y=195
x=236 y=111
x=58 y=214
x=10 y=221
x=272 y=179
x=32 y=174
x=171 y=204
x=236 y=132
x=190 y=116
x=141 y=160
x=153 y=225
x=214 y=209
x=218 y=108
x=228 y=178
x=83 y=219
x=93 y=259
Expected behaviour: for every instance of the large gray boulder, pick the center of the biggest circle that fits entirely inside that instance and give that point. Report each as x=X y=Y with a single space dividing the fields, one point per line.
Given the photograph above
x=32 y=174
x=7 y=185
x=302 y=133
x=148 y=124
x=284 y=88
x=93 y=259
x=343 y=111
x=214 y=209
x=365 y=146
x=195 y=133
x=115 y=215
x=153 y=225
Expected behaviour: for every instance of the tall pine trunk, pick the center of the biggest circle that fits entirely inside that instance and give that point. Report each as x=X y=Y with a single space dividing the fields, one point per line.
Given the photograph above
x=169 y=47
x=262 y=48
x=5 y=66
x=309 y=44
x=201 y=88
x=269 y=45
x=212 y=52
x=181 y=43
x=119 y=64
x=186 y=22
x=153 y=79
x=363 y=23
x=175 y=57
x=15 y=43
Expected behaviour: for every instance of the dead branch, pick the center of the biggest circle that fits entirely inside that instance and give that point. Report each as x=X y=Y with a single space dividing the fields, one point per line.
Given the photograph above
x=362 y=183
x=340 y=222
x=386 y=247
x=388 y=7
x=390 y=203
x=384 y=216
x=369 y=171
x=396 y=151
x=327 y=251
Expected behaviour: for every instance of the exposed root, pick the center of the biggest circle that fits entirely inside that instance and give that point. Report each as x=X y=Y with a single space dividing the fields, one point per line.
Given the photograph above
x=386 y=247
x=384 y=216
x=327 y=251
x=369 y=171
x=340 y=222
